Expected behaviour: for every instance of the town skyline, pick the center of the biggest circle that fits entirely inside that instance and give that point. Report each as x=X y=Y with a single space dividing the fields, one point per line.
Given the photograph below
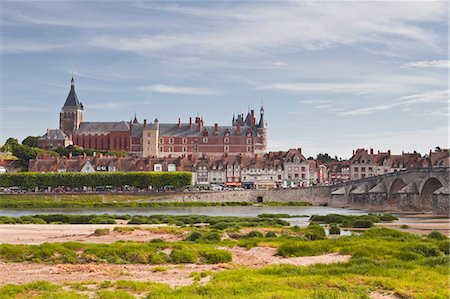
x=326 y=88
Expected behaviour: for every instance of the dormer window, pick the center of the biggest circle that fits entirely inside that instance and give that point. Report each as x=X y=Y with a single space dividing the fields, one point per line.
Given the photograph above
x=227 y=133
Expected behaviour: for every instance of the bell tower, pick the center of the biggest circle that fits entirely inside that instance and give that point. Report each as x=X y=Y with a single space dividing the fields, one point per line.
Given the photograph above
x=72 y=113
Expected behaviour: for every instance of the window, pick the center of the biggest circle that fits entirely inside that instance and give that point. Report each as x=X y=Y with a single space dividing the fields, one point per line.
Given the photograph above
x=356 y=169
x=289 y=168
x=170 y=148
x=303 y=168
x=170 y=140
x=157 y=167
x=226 y=140
x=184 y=140
x=370 y=168
x=249 y=141
x=249 y=148
x=363 y=169
x=161 y=149
x=148 y=141
x=296 y=168
x=161 y=140
x=303 y=176
x=148 y=134
x=184 y=149
x=205 y=140
x=226 y=148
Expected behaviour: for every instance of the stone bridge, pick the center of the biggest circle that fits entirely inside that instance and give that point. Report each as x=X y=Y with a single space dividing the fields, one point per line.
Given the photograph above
x=422 y=190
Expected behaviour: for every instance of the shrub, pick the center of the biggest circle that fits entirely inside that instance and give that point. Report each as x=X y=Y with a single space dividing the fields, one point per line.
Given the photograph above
x=183 y=256
x=437 y=235
x=444 y=246
x=424 y=249
x=254 y=234
x=271 y=234
x=315 y=232
x=387 y=217
x=194 y=236
x=404 y=226
x=334 y=230
x=215 y=256
x=303 y=248
x=101 y=232
x=362 y=224
x=137 y=257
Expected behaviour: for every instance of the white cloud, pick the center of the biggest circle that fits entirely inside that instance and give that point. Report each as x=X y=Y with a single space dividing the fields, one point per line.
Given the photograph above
x=161 y=88
x=438 y=96
x=327 y=87
x=435 y=64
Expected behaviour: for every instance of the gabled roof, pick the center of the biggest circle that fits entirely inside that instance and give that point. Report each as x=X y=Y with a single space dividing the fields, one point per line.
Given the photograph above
x=54 y=134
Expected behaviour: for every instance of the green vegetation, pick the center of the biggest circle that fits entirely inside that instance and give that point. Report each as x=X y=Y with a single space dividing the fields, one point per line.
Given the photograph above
x=89 y=201
x=334 y=230
x=77 y=179
x=216 y=222
x=101 y=232
x=363 y=221
x=115 y=253
x=383 y=260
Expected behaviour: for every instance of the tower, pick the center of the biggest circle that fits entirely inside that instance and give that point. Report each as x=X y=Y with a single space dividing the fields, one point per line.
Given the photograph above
x=72 y=113
x=262 y=131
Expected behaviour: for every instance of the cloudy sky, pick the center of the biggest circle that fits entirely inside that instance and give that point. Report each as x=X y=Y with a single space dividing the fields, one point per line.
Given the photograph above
x=333 y=76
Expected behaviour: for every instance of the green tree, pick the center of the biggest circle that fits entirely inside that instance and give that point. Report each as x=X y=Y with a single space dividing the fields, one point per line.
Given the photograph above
x=31 y=141
x=24 y=153
x=7 y=147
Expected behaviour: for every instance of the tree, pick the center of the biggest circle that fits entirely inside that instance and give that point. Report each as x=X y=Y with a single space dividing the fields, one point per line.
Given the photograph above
x=325 y=158
x=31 y=141
x=7 y=147
x=24 y=153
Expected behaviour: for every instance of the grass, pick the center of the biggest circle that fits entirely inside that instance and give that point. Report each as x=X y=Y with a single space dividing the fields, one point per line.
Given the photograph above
x=362 y=221
x=383 y=260
x=90 y=201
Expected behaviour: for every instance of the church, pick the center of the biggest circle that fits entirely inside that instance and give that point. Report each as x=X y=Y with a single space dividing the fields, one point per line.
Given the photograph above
x=245 y=136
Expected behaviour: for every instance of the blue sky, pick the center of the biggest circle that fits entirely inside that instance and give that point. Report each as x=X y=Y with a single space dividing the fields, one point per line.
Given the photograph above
x=333 y=76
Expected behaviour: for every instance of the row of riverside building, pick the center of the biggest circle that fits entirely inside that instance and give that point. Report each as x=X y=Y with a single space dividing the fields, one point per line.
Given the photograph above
x=283 y=169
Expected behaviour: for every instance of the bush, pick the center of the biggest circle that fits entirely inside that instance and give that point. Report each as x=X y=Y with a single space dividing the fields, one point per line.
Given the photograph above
x=215 y=256
x=271 y=234
x=362 y=224
x=387 y=217
x=195 y=235
x=424 y=249
x=437 y=235
x=254 y=234
x=101 y=232
x=334 y=230
x=183 y=256
x=77 y=179
x=315 y=232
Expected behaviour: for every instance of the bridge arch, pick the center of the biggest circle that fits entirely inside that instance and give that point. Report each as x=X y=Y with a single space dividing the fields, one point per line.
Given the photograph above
x=426 y=191
x=396 y=186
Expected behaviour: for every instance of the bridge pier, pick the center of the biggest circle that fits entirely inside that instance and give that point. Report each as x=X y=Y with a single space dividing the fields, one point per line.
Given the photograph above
x=441 y=202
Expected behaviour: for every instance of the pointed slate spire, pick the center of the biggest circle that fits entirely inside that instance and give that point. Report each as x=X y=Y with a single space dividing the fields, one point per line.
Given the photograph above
x=262 y=122
x=72 y=99
x=135 y=121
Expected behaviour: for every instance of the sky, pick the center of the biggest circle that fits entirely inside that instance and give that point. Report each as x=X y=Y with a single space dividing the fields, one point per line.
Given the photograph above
x=332 y=76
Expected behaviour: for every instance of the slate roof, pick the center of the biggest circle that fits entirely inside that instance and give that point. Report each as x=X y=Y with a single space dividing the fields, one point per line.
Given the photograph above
x=72 y=99
x=166 y=129
x=54 y=134
x=104 y=128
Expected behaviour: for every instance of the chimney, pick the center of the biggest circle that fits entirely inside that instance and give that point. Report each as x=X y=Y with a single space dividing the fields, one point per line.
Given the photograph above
x=371 y=151
x=70 y=136
x=403 y=152
x=389 y=152
x=48 y=133
x=190 y=122
x=378 y=151
x=353 y=152
x=70 y=155
x=145 y=123
x=238 y=128
x=300 y=150
x=84 y=155
x=252 y=113
x=200 y=124
x=179 y=123
x=216 y=129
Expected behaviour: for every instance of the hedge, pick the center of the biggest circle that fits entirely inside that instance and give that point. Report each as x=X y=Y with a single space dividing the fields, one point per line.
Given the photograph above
x=77 y=179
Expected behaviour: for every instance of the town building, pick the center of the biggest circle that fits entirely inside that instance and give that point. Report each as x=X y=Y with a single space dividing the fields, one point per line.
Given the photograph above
x=53 y=139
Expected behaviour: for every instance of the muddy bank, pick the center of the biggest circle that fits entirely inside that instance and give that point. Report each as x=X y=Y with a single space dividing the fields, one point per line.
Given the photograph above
x=41 y=233
x=173 y=275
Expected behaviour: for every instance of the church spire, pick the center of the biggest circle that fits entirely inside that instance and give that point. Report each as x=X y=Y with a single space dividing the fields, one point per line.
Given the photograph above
x=72 y=99
x=262 y=123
